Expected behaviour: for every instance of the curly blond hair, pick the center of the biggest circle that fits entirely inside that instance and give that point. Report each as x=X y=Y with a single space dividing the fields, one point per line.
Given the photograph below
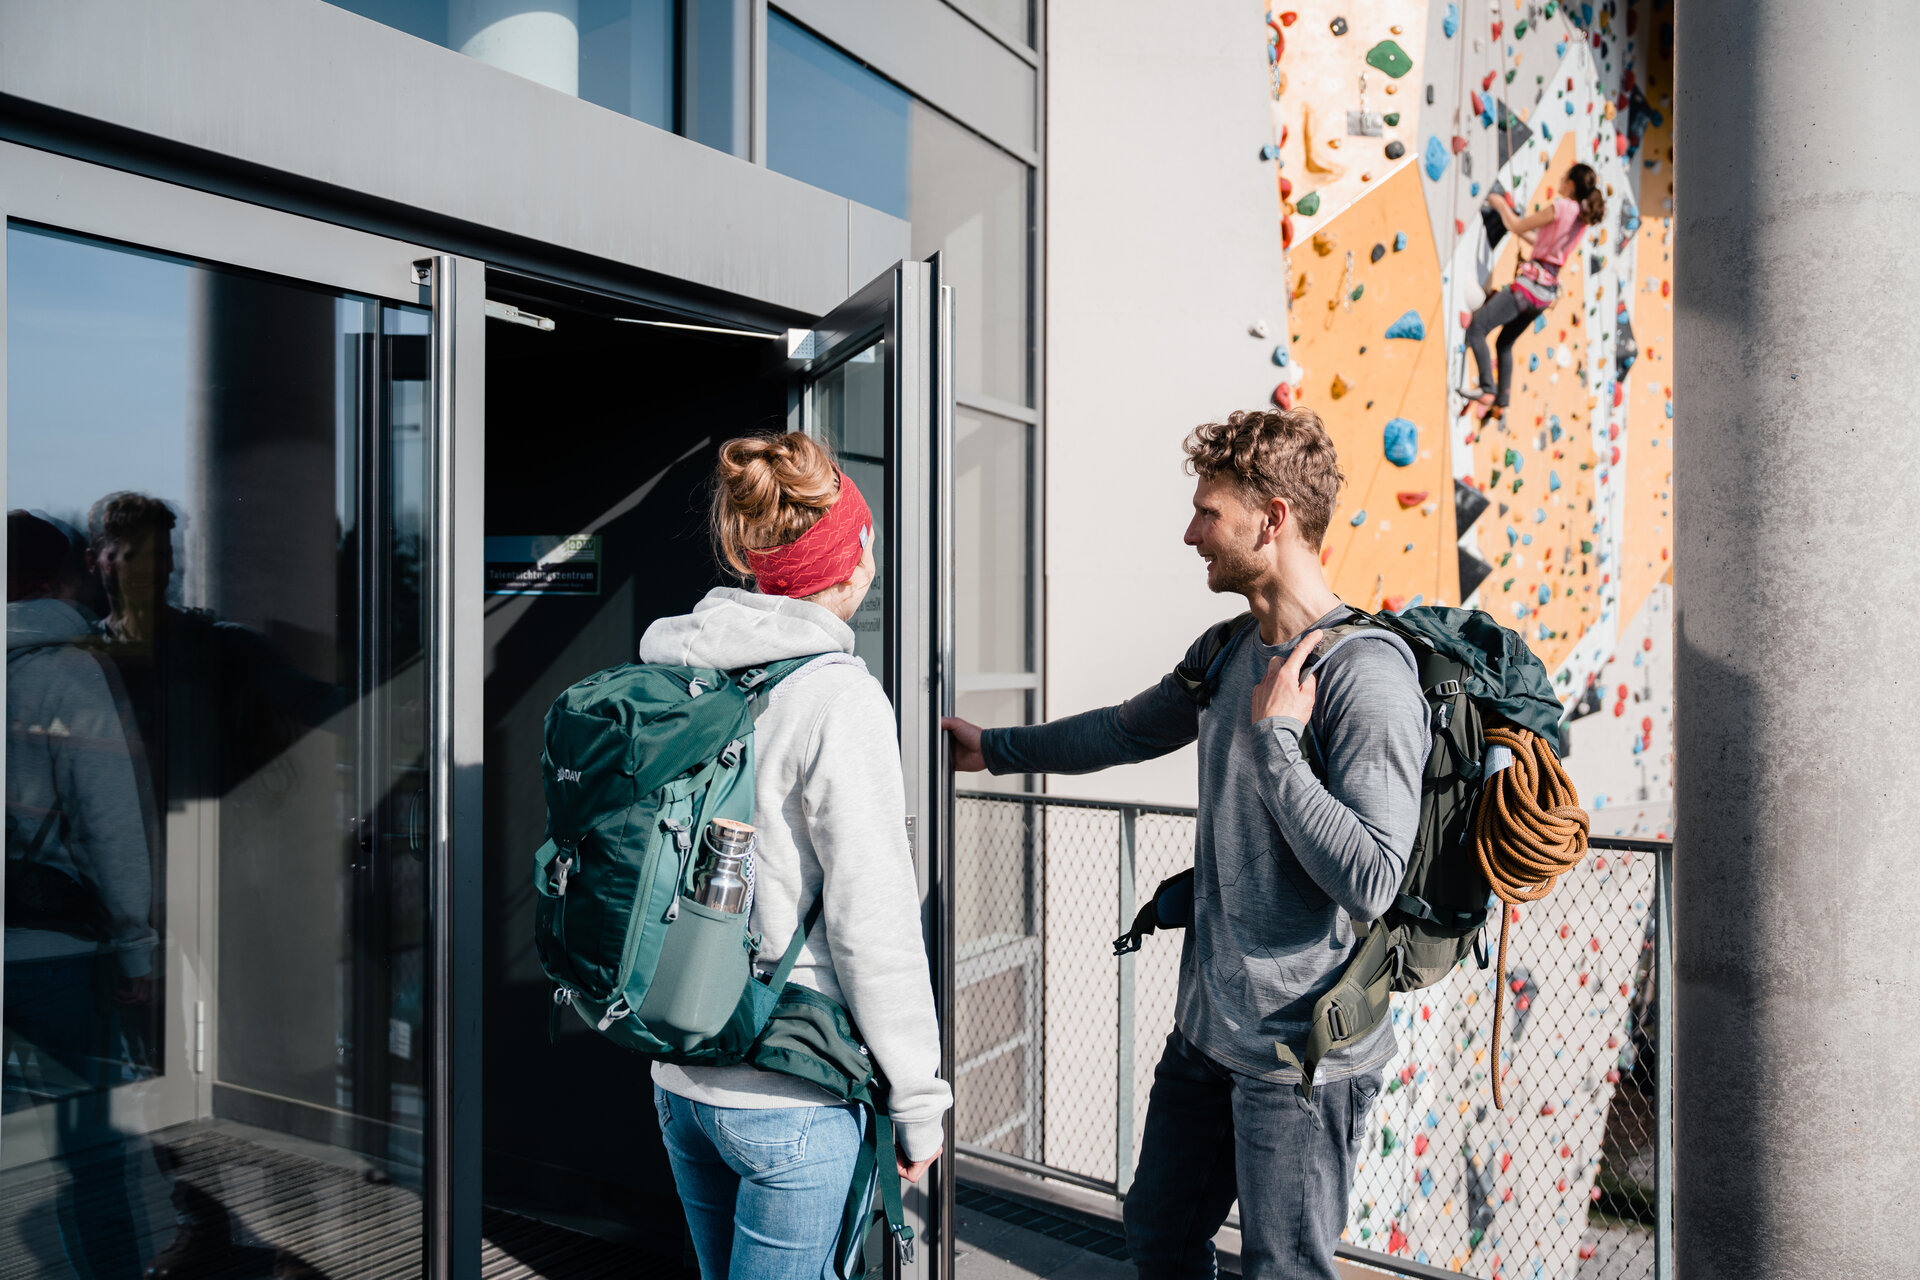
x=1268 y=454
x=767 y=491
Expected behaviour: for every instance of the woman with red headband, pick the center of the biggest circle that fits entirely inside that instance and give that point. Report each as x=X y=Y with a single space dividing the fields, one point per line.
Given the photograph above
x=763 y=1161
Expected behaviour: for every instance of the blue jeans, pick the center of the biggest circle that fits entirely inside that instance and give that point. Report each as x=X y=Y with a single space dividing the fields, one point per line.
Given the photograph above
x=763 y=1189
x=1214 y=1136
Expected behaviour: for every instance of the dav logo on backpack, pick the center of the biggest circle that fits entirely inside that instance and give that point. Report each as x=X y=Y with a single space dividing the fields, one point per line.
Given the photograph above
x=564 y=774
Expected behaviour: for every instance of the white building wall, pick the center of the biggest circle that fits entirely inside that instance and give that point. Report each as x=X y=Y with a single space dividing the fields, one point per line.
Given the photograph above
x=1164 y=248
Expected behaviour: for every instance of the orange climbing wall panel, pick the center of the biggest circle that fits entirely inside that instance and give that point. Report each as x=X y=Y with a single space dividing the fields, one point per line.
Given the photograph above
x=1395 y=553
x=1544 y=536
x=1646 y=551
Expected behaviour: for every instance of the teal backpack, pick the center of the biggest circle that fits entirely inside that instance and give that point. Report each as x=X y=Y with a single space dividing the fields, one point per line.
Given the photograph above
x=1474 y=673
x=639 y=760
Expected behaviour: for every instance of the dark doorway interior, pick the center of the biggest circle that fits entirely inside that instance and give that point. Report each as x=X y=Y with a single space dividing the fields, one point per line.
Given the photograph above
x=611 y=428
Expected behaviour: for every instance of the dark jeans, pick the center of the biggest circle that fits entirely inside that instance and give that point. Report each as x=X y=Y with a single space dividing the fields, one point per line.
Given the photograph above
x=1512 y=314
x=1214 y=1135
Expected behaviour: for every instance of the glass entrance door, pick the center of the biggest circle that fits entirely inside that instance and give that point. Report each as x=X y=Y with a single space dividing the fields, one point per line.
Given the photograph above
x=223 y=450
x=876 y=385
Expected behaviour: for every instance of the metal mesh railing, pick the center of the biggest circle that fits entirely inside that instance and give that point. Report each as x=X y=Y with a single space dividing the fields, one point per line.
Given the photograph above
x=1058 y=1040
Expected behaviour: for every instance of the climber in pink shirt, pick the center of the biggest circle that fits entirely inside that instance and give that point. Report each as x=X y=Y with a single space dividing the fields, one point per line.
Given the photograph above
x=1552 y=232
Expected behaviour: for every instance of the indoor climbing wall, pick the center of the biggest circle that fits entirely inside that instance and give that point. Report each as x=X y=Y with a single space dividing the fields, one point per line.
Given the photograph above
x=1394 y=123
x=1366 y=290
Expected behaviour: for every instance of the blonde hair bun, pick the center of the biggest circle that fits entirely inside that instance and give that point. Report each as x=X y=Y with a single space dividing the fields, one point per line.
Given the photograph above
x=767 y=491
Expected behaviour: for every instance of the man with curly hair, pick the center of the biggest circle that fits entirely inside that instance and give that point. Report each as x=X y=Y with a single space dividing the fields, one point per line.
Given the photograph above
x=1285 y=863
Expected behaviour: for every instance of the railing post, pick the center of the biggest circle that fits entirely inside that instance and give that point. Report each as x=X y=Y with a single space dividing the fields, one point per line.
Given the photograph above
x=1123 y=1056
x=1663 y=1065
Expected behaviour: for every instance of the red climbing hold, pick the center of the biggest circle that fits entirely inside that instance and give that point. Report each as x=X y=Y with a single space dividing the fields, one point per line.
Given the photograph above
x=1546 y=1108
x=1458 y=144
x=1286 y=232
x=1426 y=1013
x=1613 y=1077
x=1646 y=724
x=1506 y=1195
x=1506 y=1160
x=1647 y=644
x=1523 y=1003
x=1619 y=395
x=1459 y=226
x=1594 y=945
x=1396 y=1240
x=1410 y=498
x=1566 y=931
x=1478 y=105
x=1466 y=318
x=1560 y=1184
x=1615 y=457
x=1619 y=144
x=1566 y=1152
x=1283 y=395
x=1406 y=1075
x=1487 y=81
x=1498 y=27
x=1666 y=288
x=1393 y=604
x=1513 y=914
x=1587 y=1250
x=1420 y=1144
x=1288 y=18
x=1621 y=693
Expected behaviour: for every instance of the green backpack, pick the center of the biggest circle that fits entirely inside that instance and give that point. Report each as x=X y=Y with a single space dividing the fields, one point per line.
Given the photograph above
x=639 y=760
x=1472 y=670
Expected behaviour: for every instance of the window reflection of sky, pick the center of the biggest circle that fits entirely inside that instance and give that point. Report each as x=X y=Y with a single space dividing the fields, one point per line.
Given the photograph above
x=98 y=356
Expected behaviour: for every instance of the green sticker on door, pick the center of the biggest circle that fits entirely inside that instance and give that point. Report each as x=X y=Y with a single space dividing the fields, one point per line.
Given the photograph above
x=553 y=564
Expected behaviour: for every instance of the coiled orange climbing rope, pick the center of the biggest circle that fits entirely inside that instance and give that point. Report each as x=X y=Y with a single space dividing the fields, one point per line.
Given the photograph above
x=1528 y=832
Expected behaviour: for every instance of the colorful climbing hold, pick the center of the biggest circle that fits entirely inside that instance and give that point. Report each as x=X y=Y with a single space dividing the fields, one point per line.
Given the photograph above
x=1436 y=158
x=1307 y=205
x=1391 y=119
x=1283 y=396
x=1269 y=152
x=1339 y=387
x=1409 y=325
x=1396 y=149
x=1357 y=291
x=1451 y=22
x=1410 y=498
x=1378 y=252
x=1389 y=57
x=1359 y=518
x=1401 y=440
x=1338 y=26
x=1280 y=356
x=1288 y=18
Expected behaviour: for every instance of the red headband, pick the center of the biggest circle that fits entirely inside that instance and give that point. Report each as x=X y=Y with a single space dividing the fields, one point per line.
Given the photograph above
x=825 y=554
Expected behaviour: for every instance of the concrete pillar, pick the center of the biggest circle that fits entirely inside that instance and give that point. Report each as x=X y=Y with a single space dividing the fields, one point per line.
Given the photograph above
x=538 y=39
x=1798 y=704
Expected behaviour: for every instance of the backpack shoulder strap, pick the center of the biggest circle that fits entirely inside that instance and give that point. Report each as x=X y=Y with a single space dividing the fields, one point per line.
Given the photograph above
x=1202 y=676
x=777 y=980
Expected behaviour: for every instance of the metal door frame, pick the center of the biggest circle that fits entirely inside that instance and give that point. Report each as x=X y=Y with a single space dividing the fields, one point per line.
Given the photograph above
x=86 y=199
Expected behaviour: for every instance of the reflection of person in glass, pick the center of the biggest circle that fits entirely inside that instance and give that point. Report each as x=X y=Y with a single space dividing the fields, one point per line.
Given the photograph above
x=79 y=888
x=215 y=701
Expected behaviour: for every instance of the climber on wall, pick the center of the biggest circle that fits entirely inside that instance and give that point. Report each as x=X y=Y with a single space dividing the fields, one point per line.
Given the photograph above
x=1553 y=232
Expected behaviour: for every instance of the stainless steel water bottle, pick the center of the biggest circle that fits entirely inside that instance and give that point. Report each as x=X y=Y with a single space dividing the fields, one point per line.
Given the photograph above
x=722 y=882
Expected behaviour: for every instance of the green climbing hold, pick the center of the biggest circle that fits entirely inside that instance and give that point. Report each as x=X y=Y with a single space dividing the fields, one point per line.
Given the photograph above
x=1390 y=58
x=1392 y=119
x=1357 y=291
x=1387 y=1142
x=1307 y=205
x=1520 y=29
x=1552 y=5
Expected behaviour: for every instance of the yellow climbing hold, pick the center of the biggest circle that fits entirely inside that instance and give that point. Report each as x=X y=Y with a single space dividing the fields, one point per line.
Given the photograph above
x=1339 y=387
x=1323 y=243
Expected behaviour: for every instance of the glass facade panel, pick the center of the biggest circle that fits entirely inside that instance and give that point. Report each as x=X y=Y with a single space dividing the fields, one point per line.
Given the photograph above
x=834 y=123
x=215 y=796
x=1009 y=17
x=850 y=414
x=617 y=53
x=993 y=588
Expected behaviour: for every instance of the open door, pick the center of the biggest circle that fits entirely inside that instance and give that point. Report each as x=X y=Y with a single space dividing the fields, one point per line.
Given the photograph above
x=875 y=383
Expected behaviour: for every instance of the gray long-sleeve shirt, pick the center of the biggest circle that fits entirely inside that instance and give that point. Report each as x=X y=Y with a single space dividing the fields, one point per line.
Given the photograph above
x=1283 y=864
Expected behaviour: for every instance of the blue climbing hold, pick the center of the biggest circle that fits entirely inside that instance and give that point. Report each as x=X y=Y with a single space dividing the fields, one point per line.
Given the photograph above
x=1269 y=152
x=1546 y=134
x=1553 y=477
x=1359 y=518
x=1669 y=410
x=1533 y=362
x=1539 y=515
x=1540 y=323
x=1402 y=440
x=1280 y=358
x=1437 y=157
x=1526 y=539
x=1560 y=49
x=1569 y=108
x=1451 y=23
x=1546 y=594
x=1513 y=535
x=1409 y=325
x=1553 y=423
x=1400 y=240
x=1473 y=188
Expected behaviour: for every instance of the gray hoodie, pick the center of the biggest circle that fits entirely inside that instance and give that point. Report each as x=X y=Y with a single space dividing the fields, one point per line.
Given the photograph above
x=73 y=772
x=831 y=811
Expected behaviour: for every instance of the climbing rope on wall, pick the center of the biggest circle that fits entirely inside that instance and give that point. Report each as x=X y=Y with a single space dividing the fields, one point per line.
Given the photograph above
x=1528 y=832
